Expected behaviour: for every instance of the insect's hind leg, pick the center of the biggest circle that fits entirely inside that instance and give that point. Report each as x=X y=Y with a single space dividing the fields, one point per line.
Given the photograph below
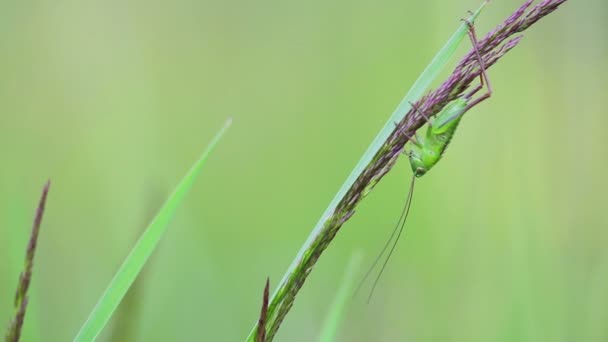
x=483 y=76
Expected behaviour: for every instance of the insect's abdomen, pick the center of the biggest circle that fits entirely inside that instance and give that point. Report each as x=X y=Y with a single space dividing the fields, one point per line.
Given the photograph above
x=442 y=140
x=429 y=150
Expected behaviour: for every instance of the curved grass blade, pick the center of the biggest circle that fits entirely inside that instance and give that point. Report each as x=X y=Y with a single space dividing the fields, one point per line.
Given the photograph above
x=143 y=248
x=337 y=310
x=422 y=84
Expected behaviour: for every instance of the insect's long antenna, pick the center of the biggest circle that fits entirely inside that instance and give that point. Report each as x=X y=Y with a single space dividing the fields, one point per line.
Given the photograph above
x=388 y=241
x=399 y=227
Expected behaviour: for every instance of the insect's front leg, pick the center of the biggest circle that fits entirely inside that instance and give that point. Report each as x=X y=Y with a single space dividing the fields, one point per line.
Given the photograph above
x=413 y=139
x=417 y=109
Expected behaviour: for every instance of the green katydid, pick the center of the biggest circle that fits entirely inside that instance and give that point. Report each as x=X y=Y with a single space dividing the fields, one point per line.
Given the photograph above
x=426 y=150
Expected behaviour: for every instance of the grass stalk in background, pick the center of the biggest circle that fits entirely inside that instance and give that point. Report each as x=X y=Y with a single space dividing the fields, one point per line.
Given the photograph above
x=337 y=310
x=13 y=332
x=388 y=144
x=132 y=265
x=124 y=322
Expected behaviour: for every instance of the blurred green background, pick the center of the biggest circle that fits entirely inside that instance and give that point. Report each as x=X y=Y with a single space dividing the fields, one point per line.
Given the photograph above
x=114 y=100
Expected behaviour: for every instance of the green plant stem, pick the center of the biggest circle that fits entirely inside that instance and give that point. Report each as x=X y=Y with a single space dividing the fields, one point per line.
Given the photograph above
x=331 y=220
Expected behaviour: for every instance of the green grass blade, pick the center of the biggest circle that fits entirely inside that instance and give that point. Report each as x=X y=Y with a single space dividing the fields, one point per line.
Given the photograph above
x=338 y=307
x=422 y=84
x=143 y=248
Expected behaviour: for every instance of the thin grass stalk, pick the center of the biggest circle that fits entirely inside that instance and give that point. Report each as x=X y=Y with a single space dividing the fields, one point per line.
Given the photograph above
x=492 y=48
x=261 y=335
x=13 y=333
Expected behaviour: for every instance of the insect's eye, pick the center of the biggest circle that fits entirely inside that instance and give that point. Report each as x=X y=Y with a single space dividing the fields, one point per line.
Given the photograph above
x=420 y=172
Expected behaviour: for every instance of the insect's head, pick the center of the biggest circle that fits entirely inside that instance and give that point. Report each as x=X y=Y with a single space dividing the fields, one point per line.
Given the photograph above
x=420 y=172
x=418 y=166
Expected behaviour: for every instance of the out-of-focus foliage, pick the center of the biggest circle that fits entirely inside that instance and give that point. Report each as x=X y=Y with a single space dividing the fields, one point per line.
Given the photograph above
x=115 y=100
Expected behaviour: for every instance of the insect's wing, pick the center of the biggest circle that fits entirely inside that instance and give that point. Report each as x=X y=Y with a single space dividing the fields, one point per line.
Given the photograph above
x=444 y=121
x=447 y=123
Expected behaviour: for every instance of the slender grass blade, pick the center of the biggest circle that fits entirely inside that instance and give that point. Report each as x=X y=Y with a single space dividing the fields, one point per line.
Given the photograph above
x=132 y=265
